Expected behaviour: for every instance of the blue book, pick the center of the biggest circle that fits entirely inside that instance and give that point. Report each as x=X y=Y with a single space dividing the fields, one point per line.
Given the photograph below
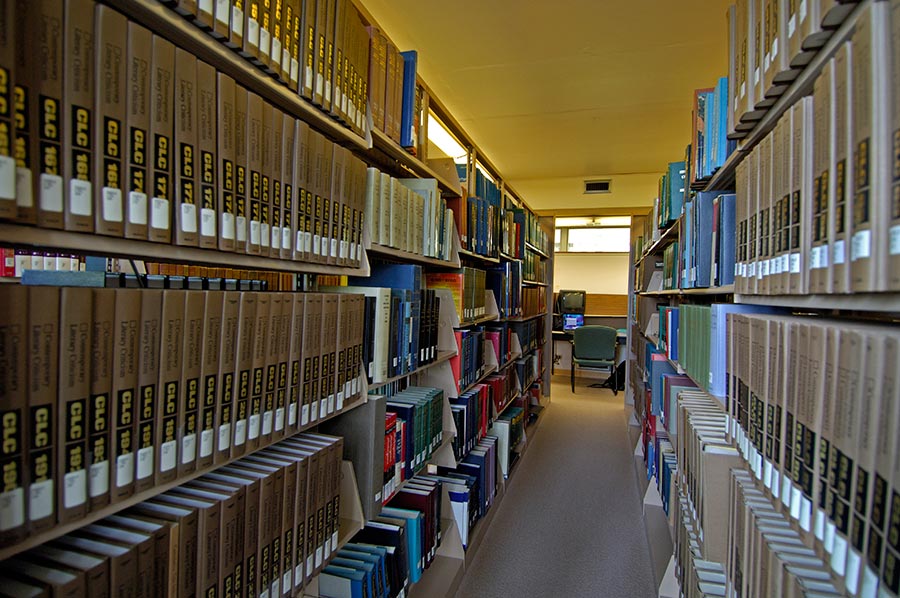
x=379 y=552
x=341 y=582
x=408 y=99
x=392 y=276
x=721 y=123
x=415 y=538
x=658 y=367
x=687 y=244
x=379 y=580
x=724 y=271
x=676 y=189
x=407 y=413
x=703 y=240
x=369 y=582
x=718 y=341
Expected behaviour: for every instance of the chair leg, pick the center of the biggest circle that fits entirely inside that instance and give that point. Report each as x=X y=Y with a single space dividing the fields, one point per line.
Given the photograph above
x=573 y=376
x=616 y=382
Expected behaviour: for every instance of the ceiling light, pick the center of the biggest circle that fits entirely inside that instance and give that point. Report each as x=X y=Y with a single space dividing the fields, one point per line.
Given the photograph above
x=444 y=140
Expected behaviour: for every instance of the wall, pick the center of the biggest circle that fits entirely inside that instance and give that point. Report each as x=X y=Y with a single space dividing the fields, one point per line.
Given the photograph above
x=605 y=274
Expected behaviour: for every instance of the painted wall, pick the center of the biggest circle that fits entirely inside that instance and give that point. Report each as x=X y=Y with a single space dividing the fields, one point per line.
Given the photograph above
x=604 y=274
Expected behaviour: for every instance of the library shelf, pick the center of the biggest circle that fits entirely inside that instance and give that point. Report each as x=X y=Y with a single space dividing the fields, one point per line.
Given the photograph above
x=523 y=318
x=509 y=258
x=724 y=290
x=478 y=320
x=490 y=370
x=682 y=372
x=442 y=356
x=465 y=253
x=398 y=254
x=164 y=21
x=444 y=575
x=19 y=235
x=534 y=283
x=392 y=150
x=446 y=442
x=59 y=530
x=841 y=20
x=882 y=303
x=506 y=406
x=665 y=239
x=535 y=250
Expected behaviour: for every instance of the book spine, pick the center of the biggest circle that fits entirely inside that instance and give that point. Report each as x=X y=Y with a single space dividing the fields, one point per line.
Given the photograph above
x=207 y=147
x=190 y=385
x=225 y=146
x=266 y=165
x=185 y=148
x=288 y=222
x=162 y=80
x=137 y=139
x=111 y=130
x=8 y=48
x=14 y=380
x=241 y=174
x=148 y=381
x=48 y=112
x=254 y=143
x=126 y=353
x=169 y=385
x=257 y=384
x=99 y=407
x=227 y=359
x=74 y=390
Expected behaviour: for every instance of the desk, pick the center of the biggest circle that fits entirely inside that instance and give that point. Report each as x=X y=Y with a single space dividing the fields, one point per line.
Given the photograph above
x=566 y=336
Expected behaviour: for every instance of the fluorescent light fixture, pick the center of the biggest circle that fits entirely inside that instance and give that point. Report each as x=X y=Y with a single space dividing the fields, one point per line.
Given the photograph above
x=592 y=221
x=444 y=140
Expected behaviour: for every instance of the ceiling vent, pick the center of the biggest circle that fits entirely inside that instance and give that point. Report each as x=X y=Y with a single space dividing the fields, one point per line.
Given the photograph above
x=600 y=186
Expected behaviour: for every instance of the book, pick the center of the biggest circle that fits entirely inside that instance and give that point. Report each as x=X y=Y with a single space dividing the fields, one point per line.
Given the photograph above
x=208 y=177
x=162 y=82
x=138 y=174
x=103 y=312
x=13 y=515
x=8 y=197
x=186 y=125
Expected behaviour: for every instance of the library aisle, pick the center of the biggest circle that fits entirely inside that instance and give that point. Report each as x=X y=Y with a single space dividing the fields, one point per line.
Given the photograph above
x=571 y=523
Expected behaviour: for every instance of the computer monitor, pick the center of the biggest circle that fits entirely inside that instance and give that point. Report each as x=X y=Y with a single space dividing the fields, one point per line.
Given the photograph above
x=572 y=321
x=570 y=302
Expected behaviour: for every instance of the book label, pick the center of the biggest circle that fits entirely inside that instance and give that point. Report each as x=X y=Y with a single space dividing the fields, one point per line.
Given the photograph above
x=74 y=488
x=188 y=216
x=206 y=443
x=51 y=193
x=839 y=556
x=894 y=242
x=168 y=455
x=124 y=470
x=840 y=252
x=24 y=197
x=237 y=21
x=224 y=437
x=189 y=449
x=137 y=211
x=112 y=204
x=12 y=509
x=159 y=215
x=40 y=500
x=852 y=579
x=80 y=197
x=145 y=463
x=7 y=176
x=861 y=245
x=99 y=480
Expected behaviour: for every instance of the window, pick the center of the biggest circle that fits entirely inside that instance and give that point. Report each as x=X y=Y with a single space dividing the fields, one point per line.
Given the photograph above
x=593 y=235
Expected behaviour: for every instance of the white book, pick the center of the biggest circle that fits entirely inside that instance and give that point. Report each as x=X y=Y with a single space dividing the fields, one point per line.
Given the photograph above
x=382 y=331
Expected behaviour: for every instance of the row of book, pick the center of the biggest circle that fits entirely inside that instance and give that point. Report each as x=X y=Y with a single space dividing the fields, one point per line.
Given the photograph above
x=500 y=336
x=473 y=416
x=481 y=226
x=421 y=409
x=503 y=389
x=535 y=235
x=408 y=214
x=318 y=49
x=468 y=365
x=530 y=334
x=243 y=176
x=512 y=241
x=505 y=281
x=14 y=262
x=528 y=369
x=764 y=38
x=467 y=285
x=136 y=388
x=534 y=301
x=814 y=206
x=265 y=524
x=697 y=577
x=707 y=260
x=273 y=281
x=509 y=428
x=711 y=120
x=813 y=407
x=534 y=267
x=395 y=97
x=120 y=280
x=669 y=202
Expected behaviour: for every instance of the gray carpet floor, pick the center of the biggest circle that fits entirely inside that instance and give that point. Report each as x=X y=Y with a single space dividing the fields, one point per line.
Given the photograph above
x=571 y=524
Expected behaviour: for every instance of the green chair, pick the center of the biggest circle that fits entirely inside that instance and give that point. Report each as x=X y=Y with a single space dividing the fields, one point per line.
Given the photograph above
x=594 y=347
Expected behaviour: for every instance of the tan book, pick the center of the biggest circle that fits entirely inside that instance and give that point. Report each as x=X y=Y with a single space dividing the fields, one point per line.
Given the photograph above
x=122 y=561
x=138 y=100
x=307 y=48
x=270 y=372
x=238 y=24
x=231 y=551
x=275 y=141
x=165 y=547
x=95 y=570
x=186 y=149
x=25 y=87
x=190 y=390
x=257 y=384
x=336 y=192
x=227 y=358
x=842 y=202
x=79 y=117
x=759 y=33
x=295 y=361
x=390 y=90
x=74 y=391
x=225 y=139
x=61 y=581
x=169 y=385
x=292 y=464
x=8 y=38
x=321 y=36
x=314 y=528
x=185 y=533
x=210 y=391
x=266 y=8
x=251 y=35
x=277 y=31
x=285 y=474
x=99 y=420
x=148 y=401
x=266 y=181
x=331 y=28
x=376 y=71
x=221 y=21
x=872 y=150
x=289 y=155
x=254 y=153
x=110 y=93
x=14 y=384
x=312 y=357
x=823 y=150
x=299 y=503
x=271 y=486
x=208 y=160
x=325 y=190
x=328 y=392
x=244 y=371
x=241 y=174
x=284 y=343
x=303 y=237
x=317 y=145
x=293 y=46
x=253 y=483
x=143 y=546
x=204 y=581
x=162 y=114
x=893 y=266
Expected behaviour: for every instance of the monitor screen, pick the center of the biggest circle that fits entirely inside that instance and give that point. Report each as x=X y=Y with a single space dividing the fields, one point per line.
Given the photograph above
x=572 y=321
x=571 y=302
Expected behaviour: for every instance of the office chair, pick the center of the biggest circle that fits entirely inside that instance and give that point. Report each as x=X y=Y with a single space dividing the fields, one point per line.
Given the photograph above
x=594 y=347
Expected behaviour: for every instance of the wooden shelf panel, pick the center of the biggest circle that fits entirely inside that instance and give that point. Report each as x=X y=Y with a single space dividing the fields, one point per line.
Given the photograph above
x=886 y=303
x=91 y=244
x=166 y=22
x=406 y=256
x=465 y=253
x=535 y=250
x=665 y=239
x=62 y=529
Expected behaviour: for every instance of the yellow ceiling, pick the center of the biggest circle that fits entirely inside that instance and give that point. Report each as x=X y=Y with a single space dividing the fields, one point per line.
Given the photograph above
x=568 y=88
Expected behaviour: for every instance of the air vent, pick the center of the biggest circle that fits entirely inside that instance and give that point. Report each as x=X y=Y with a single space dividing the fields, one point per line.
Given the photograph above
x=597 y=186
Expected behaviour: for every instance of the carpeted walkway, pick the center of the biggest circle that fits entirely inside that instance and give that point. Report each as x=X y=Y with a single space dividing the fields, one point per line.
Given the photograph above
x=571 y=523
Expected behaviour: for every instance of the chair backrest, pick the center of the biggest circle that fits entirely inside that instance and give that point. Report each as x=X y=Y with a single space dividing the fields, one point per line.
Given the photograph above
x=594 y=342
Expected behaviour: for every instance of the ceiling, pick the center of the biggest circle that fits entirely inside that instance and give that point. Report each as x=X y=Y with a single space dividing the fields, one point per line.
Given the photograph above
x=568 y=88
